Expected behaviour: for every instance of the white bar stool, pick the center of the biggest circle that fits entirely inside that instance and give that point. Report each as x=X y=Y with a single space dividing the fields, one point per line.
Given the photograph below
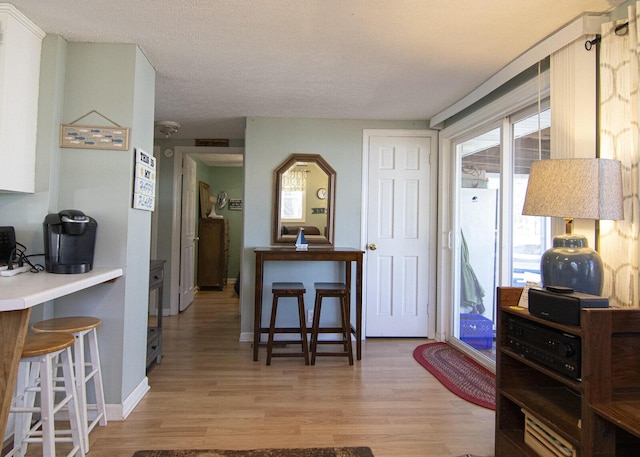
x=36 y=375
x=86 y=370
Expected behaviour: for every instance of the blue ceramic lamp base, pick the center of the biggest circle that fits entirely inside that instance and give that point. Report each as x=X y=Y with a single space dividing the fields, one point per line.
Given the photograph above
x=571 y=263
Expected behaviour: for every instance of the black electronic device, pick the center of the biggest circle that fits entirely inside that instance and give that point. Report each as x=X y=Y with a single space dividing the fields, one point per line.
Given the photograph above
x=7 y=245
x=69 y=242
x=550 y=347
x=562 y=305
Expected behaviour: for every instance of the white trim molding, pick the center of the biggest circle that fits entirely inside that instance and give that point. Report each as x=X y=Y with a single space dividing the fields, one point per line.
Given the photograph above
x=119 y=412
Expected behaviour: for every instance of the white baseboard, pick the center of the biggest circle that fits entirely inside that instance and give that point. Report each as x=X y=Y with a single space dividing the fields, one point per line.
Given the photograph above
x=115 y=412
x=119 y=412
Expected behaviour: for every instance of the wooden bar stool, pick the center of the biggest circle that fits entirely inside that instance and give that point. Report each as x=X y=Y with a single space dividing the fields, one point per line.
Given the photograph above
x=288 y=290
x=36 y=375
x=86 y=370
x=335 y=290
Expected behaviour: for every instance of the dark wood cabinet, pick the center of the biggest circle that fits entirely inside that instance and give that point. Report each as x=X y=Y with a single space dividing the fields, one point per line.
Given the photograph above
x=213 y=253
x=598 y=414
x=154 y=329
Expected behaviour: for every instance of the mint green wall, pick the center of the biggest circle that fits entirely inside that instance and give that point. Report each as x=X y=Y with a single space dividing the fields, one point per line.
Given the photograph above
x=118 y=81
x=268 y=142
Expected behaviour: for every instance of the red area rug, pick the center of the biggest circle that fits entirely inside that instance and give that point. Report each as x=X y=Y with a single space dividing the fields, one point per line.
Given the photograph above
x=460 y=374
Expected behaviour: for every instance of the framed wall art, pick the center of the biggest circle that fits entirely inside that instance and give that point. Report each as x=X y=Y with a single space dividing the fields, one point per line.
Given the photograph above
x=235 y=204
x=94 y=137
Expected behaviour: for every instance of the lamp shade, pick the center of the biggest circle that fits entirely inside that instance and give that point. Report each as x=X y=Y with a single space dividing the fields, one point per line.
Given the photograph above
x=581 y=189
x=575 y=188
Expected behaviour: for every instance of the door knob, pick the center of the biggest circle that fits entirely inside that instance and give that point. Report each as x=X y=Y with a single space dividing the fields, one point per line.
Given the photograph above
x=373 y=247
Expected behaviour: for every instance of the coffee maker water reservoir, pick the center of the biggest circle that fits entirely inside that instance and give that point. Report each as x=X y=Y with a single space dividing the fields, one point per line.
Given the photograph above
x=69 y=242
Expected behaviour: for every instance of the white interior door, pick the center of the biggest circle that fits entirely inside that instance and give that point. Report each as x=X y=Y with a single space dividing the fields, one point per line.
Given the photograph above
x=398 y=236
x=188 y=233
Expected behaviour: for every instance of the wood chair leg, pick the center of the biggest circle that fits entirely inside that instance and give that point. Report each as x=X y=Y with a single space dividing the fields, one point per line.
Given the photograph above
x=346 y=327
x=303 y=329
x=315 y=329
x=272 y=326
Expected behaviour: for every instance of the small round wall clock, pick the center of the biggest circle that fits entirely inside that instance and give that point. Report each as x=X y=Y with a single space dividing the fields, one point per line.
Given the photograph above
x=321 y=193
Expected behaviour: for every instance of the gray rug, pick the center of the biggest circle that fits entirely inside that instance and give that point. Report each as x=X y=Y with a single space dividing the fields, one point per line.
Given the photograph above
x=309 y=452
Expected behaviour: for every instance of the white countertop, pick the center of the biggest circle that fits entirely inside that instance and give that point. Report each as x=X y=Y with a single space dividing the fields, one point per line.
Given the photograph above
x=30 y=289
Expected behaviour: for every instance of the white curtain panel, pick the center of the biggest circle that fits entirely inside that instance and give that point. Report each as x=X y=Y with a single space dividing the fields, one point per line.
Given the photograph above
x=619 y=105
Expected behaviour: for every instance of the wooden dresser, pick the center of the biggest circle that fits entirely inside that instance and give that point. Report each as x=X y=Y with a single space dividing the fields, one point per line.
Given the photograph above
x=213 y=253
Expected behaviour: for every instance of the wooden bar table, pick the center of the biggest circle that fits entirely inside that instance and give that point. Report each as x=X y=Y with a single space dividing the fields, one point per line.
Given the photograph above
x=18 y=294
x=312 y=254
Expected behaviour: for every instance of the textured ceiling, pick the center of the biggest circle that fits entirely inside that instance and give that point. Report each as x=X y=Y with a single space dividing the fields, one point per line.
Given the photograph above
x=219 y=61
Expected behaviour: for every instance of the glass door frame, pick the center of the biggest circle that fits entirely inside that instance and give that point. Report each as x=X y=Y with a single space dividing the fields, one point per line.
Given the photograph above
x=505 y=213
x=454 y=338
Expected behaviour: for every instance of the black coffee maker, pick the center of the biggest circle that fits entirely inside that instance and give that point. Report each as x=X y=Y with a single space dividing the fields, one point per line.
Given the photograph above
x=69 y=242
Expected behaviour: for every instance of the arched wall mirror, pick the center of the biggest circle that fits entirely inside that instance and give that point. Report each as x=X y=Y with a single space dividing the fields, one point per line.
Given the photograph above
x=304 y=197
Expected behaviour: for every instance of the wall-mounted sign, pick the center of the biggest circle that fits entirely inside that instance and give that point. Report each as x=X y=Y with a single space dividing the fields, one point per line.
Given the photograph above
x=144 y=181
x=235 y=204
x=89 y=137
x=94 y=137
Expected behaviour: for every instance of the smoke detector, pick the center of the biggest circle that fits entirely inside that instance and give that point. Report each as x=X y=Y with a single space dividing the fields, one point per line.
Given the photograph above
x=168 y=128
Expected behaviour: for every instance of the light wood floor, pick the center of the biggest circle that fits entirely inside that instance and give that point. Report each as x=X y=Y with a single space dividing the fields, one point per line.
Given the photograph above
x=208 y=393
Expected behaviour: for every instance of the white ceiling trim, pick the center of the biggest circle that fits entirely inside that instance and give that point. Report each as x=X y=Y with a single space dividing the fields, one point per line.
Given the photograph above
x=585 y=25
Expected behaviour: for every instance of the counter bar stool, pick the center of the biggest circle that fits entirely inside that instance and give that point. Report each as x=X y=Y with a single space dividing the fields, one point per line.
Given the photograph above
x=36 y=375
x=290 y=290
x=335 y=290
x=86 y=370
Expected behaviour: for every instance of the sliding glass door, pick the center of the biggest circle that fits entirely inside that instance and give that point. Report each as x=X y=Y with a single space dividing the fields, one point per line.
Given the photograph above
x=531 y=235
x=495 y=244
x=478 y=207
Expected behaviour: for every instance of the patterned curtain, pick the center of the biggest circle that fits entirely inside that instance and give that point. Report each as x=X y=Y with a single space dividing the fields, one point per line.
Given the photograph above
x=294 y=179
x=619 y=105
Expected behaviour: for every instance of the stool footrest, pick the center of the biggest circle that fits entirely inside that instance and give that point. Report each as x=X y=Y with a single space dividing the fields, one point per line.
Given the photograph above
x=288 y=354
x=333 y=354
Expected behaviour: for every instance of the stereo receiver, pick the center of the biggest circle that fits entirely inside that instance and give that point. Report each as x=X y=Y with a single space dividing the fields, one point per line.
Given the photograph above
x=550 y=347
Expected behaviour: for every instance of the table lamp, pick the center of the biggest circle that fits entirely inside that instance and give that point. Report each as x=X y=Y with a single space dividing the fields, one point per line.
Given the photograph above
x=581 y=189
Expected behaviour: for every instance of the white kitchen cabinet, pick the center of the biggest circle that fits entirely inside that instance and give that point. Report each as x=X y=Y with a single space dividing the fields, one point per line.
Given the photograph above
x=20 y=46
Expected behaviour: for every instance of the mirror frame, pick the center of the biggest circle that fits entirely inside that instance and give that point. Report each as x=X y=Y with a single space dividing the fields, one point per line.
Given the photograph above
x=205 y=199
x=331 y=199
